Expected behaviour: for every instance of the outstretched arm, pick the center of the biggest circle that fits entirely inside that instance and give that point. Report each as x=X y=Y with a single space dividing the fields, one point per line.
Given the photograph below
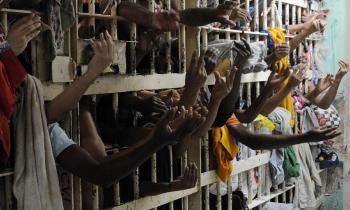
x=264 y=141
x=70 y=97
x=112 y=168
x=325 y=98
x=276 y=99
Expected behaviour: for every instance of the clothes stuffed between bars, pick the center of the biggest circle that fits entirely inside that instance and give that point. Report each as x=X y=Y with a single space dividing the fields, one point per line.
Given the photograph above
x=12 y=73
x=280 y=66
x=224 y=149
x=35 y=180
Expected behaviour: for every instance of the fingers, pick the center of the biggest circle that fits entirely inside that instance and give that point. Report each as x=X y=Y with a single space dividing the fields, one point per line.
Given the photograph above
x=168 y=116
x=194 y=60
x=33 y=35
x=110 y=43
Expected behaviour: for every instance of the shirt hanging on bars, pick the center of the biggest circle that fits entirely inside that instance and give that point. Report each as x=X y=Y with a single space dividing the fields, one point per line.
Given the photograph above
x=12 y=73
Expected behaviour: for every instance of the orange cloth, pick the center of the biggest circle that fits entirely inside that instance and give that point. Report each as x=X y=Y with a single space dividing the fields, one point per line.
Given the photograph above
x=225 y=149
x=278 y=36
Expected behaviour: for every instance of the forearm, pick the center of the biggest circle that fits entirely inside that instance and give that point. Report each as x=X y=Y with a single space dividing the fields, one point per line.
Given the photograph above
x=151 y=188
x=135 y=13
x=248 y=115
x=295 y=28
x=324 y=100
x=197 y=16
x=294 y=43
x=228 y=104
x=119 y=165
x=275 y=100
x=264 y=141
x=188 y=98
x=69 y=98
x=213 y=108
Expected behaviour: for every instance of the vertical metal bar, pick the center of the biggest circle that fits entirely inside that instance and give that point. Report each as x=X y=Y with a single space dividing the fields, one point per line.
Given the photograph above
x=171 y=204
x=259 y=193
x=250 y=172
x=216 y=4
x=136 y=184
x=286 y=18
x=115 y=112
x=256 y=17
x=4 y=22
x=114 y=27
x=218 y=195
x=182 y=43
x=240 y=175
x=76 y=180
x=8 y=193
x=168 y=45
x=265 y=14
x=133 y=46
x=273 y=15
x=184 y=165
x=152 y=55
x=206 y=168
x=247 y=8
x=154 y=169
x=294 y=19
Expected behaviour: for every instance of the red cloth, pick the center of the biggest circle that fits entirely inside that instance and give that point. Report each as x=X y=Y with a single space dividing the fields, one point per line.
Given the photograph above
x=12 y=73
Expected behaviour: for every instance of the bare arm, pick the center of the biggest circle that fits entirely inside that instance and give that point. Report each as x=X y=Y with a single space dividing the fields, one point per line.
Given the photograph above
x=274 y=81
x=70 y=97
x=264 y=141
x=111 y=169
x=325 y=98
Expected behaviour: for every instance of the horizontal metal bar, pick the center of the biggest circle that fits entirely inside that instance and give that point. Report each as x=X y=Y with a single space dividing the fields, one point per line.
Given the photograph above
x=263 y=199
x=122 y=83
x=6 y=172
x=155 y=201
x=210 y=177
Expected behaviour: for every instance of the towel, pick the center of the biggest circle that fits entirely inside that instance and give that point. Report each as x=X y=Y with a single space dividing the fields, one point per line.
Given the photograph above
x=35 y=184
x=278 y=36
x=225 y=149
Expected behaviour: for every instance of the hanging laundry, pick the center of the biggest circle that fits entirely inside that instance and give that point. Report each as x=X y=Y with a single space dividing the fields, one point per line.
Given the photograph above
x=278 y=36
x=35 y=179
x=225 y=149
x=12 y=74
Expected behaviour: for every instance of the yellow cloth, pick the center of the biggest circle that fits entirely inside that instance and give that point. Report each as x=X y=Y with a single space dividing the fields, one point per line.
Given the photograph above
x=264 y=121
x=280 y=66
x=224 y=150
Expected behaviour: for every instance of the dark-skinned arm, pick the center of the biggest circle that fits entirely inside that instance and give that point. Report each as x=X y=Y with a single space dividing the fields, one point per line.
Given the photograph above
x=111 y=169
x=267 y=142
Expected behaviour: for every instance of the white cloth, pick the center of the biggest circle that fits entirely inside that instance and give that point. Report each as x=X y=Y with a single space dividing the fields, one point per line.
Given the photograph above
x=309 y=122
x=278 y=206
x=35 y=181
x=256 y=62
x=309 y=177
x=59 y=139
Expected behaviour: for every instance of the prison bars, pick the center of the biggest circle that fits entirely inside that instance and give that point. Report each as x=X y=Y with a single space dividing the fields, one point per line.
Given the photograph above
x=96 y=90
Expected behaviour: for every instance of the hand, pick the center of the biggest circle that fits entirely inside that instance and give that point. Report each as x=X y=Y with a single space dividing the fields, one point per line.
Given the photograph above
x=196 y=74
x=223 y=12
x=240 y=14
x=243 y=51
x=297 y=77
x=321 y=134
x=324 y=83
x=104 y=54
x=343 y=70
x=170 y=129
x=22 y=32
x=315 y=25
x=187 y=181
x=165 y=21
x=281 y=51
x=151 y=105
x=221 y=88
x=171 y=97
x=275 y=80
